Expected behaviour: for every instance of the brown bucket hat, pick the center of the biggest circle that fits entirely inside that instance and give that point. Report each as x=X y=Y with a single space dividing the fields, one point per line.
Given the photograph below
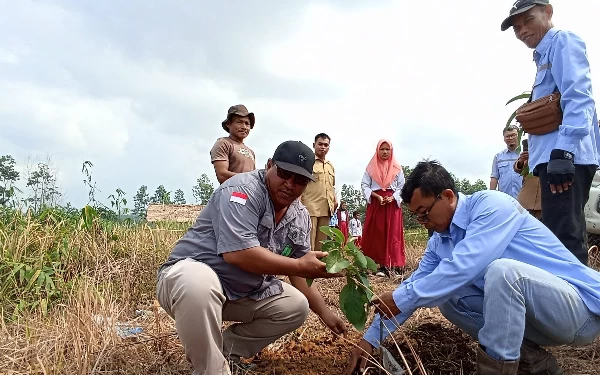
x=239 y=110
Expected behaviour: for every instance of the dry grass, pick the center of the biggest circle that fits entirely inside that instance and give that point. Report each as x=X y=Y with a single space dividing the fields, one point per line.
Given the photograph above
x=106 y=275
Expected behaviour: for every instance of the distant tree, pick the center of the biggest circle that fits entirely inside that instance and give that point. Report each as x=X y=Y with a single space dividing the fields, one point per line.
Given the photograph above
x=140 y=202
x=161 y=196
x=119 y=203
x=466 y=187
x=178 y=197
x=354 y=200
x=203 y=189
x=8 y=177
x=42 y=183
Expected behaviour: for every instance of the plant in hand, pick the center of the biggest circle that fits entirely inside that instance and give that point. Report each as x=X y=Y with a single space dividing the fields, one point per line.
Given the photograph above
x=345 y=256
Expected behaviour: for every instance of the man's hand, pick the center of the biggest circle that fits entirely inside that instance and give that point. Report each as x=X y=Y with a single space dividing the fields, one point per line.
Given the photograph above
x=310 y=267
x=386 y=306
x=333 y=322
x=358 y=358
x=522 y=160
x=560 y=170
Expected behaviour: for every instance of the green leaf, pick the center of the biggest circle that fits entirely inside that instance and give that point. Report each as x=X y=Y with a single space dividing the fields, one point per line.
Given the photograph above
x=334 y=234
x=340 y=265
x=309 y=282
x=352 y=303
x=328 y=245
x=371 y=265
x=33 y=279
x=335 y=262
x=365 y=286
x=332 y=257
x=524 y=95
x=359 y=259
x=88 y=214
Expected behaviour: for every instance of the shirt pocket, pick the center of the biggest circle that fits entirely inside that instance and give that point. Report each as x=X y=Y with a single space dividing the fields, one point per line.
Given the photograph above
x=543 y=84
x=319 y=175
x=295 y=239
x=330 y=177
x=503 y=167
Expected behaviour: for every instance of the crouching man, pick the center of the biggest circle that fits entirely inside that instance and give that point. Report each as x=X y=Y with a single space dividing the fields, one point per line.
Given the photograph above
x=223 y=268
x=497 y=273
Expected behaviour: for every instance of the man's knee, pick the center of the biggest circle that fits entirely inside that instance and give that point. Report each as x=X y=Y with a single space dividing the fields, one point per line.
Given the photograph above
x=193 y=285
x=294 y=307
x=501 y=272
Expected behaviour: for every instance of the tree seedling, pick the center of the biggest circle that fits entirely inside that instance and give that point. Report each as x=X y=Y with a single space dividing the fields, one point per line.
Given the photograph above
x=345 y=256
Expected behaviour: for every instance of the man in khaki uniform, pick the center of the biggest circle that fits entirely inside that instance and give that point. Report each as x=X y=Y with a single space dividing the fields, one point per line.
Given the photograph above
x=222 y=269
x=319 y=196
x=229 y=155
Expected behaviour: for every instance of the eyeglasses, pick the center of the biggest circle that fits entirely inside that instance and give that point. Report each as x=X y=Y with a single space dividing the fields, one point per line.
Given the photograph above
x=510 y=136
x=286 y=175
x=423 y=217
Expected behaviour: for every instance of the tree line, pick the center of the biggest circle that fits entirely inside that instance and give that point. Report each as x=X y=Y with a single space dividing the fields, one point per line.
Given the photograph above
x=43 y=192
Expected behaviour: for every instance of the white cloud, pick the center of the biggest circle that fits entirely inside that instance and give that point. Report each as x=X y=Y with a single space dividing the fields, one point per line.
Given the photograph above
x=141 y=92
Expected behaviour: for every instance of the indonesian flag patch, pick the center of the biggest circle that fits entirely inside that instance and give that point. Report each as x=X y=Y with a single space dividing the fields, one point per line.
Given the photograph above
x=238 y=197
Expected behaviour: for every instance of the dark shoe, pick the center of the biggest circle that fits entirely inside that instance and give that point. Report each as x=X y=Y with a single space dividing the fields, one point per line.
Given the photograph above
x=537 y=361
x=487 y=365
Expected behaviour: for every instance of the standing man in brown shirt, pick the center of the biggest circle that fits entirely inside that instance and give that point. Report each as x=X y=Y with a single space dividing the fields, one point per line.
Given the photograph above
x=319 y=196
x=230 y=155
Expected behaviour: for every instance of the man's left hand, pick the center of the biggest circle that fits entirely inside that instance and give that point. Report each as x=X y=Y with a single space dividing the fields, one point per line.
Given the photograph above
x=334 y=322
x=561 y=170
x=386 y=306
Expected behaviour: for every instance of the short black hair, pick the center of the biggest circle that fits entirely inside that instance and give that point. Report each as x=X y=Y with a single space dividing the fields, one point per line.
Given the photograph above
x=430 y=177
x=323 y=136
x=355 y=213
x=510 y=128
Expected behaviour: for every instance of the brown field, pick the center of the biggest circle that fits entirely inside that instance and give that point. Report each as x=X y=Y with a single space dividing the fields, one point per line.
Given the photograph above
x=107 y=275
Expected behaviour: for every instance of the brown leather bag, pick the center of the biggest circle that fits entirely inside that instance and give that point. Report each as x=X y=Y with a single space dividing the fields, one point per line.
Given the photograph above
x=541 y=116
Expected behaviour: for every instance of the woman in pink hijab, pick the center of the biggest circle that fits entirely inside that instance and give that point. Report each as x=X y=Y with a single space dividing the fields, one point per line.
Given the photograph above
x=383 y=234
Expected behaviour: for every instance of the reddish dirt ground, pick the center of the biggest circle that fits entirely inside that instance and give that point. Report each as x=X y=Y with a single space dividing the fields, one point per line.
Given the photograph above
x=441 y=347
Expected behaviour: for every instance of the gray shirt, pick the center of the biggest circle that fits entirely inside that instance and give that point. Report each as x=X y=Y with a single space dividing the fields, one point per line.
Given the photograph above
x=239 y=216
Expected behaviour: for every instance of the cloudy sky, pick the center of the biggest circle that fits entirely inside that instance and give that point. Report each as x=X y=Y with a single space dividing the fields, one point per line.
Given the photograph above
x=140 y=87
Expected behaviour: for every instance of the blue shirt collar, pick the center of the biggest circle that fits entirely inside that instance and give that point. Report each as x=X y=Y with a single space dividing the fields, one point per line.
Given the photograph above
x=461 y=215
x=544 y=44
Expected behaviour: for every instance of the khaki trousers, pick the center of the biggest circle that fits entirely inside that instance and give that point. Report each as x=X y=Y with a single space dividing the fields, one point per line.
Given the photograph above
x=191 y=293
x=316 y=236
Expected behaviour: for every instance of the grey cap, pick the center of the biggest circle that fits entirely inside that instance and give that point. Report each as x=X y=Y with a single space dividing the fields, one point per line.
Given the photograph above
x=521 y=6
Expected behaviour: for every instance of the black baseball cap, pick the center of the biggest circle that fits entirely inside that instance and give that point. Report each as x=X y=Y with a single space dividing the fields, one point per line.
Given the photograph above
x=521 y=6
x=295 y=157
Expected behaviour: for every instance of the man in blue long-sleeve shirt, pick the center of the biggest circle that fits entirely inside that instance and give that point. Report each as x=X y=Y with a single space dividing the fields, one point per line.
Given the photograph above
x=496 y=272
x=565 y=159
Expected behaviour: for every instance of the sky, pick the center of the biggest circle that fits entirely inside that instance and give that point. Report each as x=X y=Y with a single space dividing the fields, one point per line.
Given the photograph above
x=140 y=88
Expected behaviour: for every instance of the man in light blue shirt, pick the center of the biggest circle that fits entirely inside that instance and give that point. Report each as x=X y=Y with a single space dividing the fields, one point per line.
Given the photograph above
x=565 y=159
x=504 y=177
x=496 y=272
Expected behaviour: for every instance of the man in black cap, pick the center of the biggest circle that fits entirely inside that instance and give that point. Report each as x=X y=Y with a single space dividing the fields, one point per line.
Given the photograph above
x=253 y=227
x=566 y=158
x=229 y=155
